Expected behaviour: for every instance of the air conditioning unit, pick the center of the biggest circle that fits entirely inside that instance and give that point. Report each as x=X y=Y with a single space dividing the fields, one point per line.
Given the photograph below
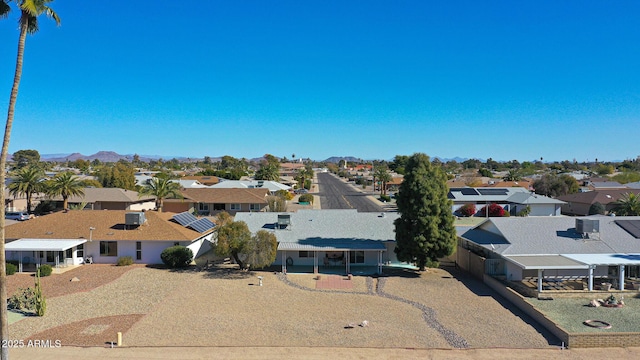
x=585 y=226
x=134 y=218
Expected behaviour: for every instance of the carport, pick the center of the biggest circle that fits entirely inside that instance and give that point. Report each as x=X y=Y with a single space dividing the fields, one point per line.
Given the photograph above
x=56 y=246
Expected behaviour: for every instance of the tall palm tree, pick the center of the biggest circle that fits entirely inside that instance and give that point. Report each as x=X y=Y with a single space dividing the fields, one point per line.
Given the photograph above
x=161 y=188
x=27 y=181
x=628 y=205
x=383 y=177
x=65 y=184
x=29 y=12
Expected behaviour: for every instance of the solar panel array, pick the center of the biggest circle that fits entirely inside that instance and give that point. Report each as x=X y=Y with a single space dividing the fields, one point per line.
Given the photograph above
x=493 y=191
x=187 y=219
x=631 y=226
x=202 y=225
x=465 y=191
x=184 y=218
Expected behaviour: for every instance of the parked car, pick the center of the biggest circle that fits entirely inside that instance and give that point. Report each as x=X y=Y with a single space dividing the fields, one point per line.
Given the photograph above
x=20 y=216
x=302 y=191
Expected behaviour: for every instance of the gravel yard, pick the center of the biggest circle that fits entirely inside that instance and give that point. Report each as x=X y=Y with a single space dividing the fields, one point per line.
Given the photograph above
x=226 y=307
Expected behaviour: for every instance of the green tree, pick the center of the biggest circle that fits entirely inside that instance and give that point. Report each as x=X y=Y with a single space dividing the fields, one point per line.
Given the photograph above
x=269 y=169
x=596 y=209
x=161 y=187
x=512 y=175
x=553 y=186
x=23 y=158
x=262 y=249
x=27 y=181
x=28 y=24
x=233 y=240
x=65 y=184
x=425 y=230
x=628 y=205
x=382 y=174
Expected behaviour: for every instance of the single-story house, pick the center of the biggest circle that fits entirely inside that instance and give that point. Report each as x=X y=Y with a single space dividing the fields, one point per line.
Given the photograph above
x=512 y=199
x=70 y=237
x=110 y=199
x=580 y=203
x=558 y=247
x=211 y=201
x=329 y=240
x=273 y=186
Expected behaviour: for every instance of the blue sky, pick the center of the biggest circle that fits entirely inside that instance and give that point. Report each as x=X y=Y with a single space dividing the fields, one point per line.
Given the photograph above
x=371 y=79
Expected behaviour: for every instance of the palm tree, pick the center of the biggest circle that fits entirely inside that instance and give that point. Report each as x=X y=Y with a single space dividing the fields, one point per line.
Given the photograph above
x=161 y=188
x=512 y=175
x=30 y=10
x=628 y=205
x=27 y=181
x=383 y=177
x=65 y=184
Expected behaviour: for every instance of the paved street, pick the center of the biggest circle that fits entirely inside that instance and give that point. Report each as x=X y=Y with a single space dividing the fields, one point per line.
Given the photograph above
x=336 y=194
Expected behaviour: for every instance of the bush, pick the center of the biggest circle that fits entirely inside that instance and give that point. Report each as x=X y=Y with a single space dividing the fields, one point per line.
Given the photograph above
x=11 y=269
x=177 y=256
x=306 y=198
x=467 y=210
x=385 y=198
x=124 y=261
x=495 y=210
x=285 y=194
x=23 y=299
x=45 y=270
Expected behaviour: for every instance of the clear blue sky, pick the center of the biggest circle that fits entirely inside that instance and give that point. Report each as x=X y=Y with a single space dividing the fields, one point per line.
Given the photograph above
x=371 y=79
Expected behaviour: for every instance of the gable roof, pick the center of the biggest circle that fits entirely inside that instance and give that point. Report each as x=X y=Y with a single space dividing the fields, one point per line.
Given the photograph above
x=527 y=198
x=92 y=195
x=108 y=224
x=336 y=225
x=227 y=196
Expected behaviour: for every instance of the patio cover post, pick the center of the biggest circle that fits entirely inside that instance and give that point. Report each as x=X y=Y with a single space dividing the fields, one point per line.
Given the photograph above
x=20 y=262
x=346 y=261
x=380 y=262
x=315 y=262
x=284 y=261
x=540 y=272
x=591 y=267
x=621 y=272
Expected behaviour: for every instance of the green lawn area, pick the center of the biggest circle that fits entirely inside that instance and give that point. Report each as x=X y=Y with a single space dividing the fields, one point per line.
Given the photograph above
x=570 y=313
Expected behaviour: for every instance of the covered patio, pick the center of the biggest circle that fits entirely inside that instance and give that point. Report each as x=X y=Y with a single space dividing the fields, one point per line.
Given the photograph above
x=333 y=256
x=558 y=268
x=57 y=252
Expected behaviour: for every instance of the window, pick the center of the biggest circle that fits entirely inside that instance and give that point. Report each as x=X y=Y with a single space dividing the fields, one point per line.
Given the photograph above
x=108 y=248
x=235 y=207
x=305 y=254
x=202 y=207
x=218 y=207
x=356 y=257
x=80 y=252
x=51 y=256
x=68 y=253
x=138 y=250
x=254 y=207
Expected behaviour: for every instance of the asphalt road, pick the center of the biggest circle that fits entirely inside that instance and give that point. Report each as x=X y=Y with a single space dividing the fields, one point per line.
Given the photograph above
x=336 y=194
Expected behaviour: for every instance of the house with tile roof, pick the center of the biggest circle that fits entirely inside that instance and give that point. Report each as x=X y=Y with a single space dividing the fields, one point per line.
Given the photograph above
x=557 y=248
x=210 y=201
x=273 y=186
x=578 y=204
x=316 y=241
x=70 y=237
x=110 y=199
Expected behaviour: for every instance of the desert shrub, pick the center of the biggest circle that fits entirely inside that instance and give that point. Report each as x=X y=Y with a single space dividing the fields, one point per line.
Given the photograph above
x=525 y=212
x=124 y=261
x=385 y=198
x=11 y=269
x=285 y=194
x=306 y=198
x=23 y=299
x=467 y=210
x=45 y=207
x=177 y=256
x=45 y=270
x=596 y=208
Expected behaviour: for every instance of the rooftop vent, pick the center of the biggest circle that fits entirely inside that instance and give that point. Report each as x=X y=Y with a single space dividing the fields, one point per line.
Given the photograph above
x=134 y=218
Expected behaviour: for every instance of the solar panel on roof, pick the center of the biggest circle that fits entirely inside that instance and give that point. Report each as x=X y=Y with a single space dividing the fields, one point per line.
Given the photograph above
x=493 y=191
x=184 y=218
x=468 y=191
x=630 y=226
x=202 y=225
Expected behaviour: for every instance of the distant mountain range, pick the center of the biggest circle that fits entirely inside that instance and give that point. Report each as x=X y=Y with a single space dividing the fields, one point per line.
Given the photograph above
x=112 y=156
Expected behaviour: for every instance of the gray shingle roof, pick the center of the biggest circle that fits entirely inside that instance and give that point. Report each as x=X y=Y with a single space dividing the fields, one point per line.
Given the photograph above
x=333 y=225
